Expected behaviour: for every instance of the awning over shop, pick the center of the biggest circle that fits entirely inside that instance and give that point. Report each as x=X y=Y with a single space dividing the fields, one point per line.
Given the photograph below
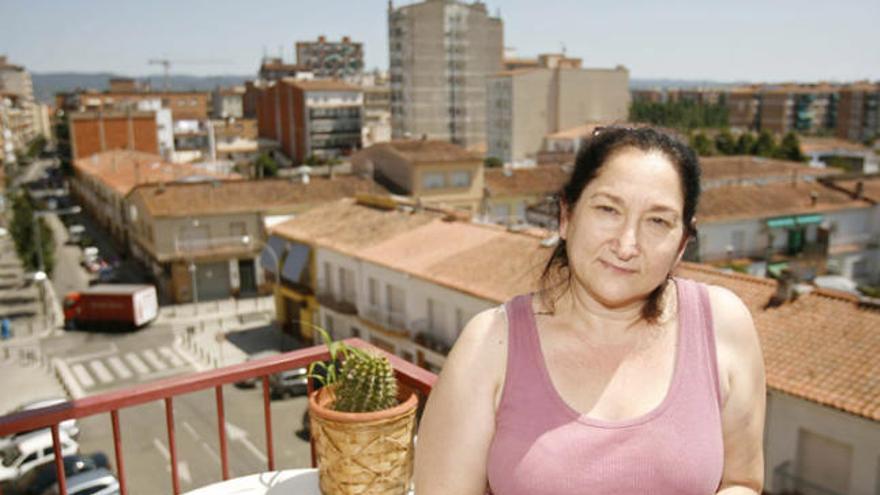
x=296 y=262
x=273 y=253
x=794 y=221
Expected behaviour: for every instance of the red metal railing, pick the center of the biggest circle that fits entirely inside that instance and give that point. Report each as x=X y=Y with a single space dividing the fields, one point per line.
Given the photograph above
x=410 y=375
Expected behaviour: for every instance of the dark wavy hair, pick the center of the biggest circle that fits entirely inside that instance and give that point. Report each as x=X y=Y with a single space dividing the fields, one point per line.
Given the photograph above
x=594 y=154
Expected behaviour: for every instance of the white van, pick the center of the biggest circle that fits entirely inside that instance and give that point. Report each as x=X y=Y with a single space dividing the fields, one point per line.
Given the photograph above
x=32 y=450
x=68 y=426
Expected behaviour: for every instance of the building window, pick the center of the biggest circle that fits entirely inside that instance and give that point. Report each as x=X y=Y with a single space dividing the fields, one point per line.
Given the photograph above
x=433 y=180
x=237 y=229
x=328 y=278
x=346 y=285
x=373 y=291
x=436 y=315
x=396 y=306
x=461 y=178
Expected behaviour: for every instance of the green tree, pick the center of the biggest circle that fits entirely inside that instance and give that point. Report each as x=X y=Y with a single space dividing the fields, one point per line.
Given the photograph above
x=725 y=143
x=765 y=145
x=492 y=162
x=25 y=237
x=745 y=144
x=37 y=146
x=702 y=144
x=265 y=166
x=62 y=144
x=790 y=148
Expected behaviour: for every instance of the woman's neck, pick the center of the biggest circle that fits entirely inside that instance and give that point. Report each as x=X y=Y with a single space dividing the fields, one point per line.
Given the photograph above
x=577 y=309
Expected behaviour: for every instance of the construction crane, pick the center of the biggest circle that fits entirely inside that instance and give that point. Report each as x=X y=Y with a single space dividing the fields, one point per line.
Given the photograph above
x=166 y=67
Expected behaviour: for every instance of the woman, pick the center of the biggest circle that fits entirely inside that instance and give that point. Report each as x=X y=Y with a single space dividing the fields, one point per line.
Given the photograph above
x=616 y=377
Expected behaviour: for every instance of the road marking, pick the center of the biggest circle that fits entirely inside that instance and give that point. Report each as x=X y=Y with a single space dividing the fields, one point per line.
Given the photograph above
x=171 y=356
x=240 y=435
x=119 y=367
x=82 y=376
x=153 y=359
x=192 y=431
x=213 y=454
x=136 y=363
x=182 y=466
x=104 y=375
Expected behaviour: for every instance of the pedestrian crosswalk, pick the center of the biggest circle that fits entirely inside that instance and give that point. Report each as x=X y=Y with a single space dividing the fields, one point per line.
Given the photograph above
x=102 y=371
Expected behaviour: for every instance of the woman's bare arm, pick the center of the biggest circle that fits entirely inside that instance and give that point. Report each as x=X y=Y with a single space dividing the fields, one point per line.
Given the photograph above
x=743 y=414
x=459 y=419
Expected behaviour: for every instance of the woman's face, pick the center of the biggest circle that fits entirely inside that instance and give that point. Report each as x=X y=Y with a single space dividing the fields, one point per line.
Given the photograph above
x=626 y=231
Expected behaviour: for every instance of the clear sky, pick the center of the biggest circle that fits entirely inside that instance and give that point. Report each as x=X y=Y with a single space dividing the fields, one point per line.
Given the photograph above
x=753 y=40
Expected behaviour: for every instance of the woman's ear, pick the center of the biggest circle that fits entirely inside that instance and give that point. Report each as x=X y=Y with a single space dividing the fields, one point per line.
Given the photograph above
x=563 y=219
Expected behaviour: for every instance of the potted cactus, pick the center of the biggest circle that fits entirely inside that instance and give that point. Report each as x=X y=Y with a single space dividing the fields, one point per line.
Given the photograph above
x=362 y=423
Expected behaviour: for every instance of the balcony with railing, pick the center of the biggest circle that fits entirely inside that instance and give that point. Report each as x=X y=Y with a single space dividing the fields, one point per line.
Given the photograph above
x=168 y=390
x=394 y=321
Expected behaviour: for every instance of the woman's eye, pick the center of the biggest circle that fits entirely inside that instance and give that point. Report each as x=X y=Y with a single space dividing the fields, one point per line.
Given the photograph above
x=606 y=209
x=661 y=222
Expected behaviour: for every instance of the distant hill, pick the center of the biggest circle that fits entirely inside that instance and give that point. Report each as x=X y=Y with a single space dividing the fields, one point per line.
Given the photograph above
x=48 y=83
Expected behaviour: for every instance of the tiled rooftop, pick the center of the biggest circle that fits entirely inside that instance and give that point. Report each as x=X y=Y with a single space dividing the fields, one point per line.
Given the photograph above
x=822 y=347
x=321 y=85
x=272 y=195
x=829 y=144
x=545 y=179
x=751 y=167
x=427 y=150
x=122 y=170
x=730 y=203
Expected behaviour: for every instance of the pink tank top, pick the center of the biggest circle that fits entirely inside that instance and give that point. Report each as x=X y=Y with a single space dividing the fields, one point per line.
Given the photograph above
x=543 y=446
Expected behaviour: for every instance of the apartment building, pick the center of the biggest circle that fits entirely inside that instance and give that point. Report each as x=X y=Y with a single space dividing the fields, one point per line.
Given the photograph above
x=98 y=131
x=101 y=182
x=441 y=53
x=377 y=111
x=184 y=105
x=331 y=59
x=201 y=239
x=858 y=116
x=17 y=109
x=434 y=172
x=228 y=102
x=320 y=118
x=525 y=105
x=235 y=140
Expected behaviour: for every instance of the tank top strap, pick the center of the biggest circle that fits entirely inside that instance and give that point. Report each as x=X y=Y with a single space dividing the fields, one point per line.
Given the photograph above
x=521 y=381
x=698 y=343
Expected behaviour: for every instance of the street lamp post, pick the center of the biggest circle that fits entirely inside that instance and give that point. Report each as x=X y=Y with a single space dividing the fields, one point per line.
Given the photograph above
x=195 y=288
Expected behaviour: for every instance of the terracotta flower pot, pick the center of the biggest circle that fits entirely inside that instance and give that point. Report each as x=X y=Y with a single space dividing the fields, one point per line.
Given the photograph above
x=363 y=453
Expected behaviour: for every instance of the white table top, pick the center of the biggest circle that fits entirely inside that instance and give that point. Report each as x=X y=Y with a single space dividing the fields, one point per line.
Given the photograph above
x=288 y=481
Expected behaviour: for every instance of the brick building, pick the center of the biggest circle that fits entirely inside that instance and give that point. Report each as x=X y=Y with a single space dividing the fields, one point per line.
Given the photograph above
x=98 y=131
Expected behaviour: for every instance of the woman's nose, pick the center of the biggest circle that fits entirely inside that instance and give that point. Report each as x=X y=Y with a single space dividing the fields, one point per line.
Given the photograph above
x=626 y=246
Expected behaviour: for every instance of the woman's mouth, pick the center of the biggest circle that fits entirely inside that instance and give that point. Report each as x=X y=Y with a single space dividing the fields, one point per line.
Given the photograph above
x=617 y=269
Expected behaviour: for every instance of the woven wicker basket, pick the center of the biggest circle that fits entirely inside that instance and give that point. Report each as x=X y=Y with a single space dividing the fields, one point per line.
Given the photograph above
x=363 y=453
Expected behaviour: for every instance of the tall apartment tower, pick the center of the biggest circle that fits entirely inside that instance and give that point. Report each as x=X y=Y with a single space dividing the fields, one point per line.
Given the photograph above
x=441 y=54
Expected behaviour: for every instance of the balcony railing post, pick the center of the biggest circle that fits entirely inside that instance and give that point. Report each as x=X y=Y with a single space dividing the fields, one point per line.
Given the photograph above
x=267 y=408
x=59 y=461
x=221 y=427
x=172 y=444
x=117 y=444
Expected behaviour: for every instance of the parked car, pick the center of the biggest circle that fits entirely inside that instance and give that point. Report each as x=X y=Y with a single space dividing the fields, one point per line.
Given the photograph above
x=68 y=426
x=252 y=382
x=289 y=382
x=94 y=482
x=75 y=233
x=40 y=479
x=32 y=450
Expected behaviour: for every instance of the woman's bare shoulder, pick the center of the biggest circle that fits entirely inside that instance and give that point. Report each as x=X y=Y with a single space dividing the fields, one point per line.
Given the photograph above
x=483 y=338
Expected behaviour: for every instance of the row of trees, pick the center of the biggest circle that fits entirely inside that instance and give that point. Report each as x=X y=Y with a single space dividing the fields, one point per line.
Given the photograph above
x=682 y=115
x=764 y=145
x=27 y=239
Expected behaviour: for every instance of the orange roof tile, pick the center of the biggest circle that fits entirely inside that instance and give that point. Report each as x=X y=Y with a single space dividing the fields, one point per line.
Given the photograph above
x=542 y=180
x=752 y=167
x=729 y=203
x=270 y=196
x=122 y=170
x=814 y=144
x=428 y=150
